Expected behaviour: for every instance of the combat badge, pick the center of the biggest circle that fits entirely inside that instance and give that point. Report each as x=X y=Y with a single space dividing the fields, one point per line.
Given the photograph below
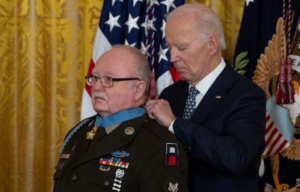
x=172 y=154
x=118 y=180
x=104 y=168
x=172 y=186
x=119 y=154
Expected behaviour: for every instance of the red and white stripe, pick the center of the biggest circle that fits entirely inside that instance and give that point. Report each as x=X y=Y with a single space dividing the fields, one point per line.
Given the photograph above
x=275 y=142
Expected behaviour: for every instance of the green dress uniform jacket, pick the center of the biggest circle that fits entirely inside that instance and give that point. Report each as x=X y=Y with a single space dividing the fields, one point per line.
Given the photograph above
x=152 y=164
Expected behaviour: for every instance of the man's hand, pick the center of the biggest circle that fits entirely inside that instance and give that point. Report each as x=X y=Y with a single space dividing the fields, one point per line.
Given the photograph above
x=161 y=111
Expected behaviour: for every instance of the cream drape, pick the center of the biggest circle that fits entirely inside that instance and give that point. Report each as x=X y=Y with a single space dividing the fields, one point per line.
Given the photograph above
x=45 y=49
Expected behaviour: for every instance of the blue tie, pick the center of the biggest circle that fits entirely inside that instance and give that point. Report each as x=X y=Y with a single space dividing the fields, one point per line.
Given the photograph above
x=190 y=104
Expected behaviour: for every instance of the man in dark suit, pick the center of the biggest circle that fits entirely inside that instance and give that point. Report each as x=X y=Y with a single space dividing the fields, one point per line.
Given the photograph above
x=121 y=148
x=217 y=114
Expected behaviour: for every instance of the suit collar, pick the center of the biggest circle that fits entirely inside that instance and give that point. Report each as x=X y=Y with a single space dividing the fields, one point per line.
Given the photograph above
x=214 y=95
x=204 y=85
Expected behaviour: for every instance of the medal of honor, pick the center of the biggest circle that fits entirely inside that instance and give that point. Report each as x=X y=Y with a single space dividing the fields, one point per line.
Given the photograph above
x=91 y=134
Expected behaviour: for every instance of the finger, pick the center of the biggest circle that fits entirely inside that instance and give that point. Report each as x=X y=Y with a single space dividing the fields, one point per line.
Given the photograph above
x=150 y=103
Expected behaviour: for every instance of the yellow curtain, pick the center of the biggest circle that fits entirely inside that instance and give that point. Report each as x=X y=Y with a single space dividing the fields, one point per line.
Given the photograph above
x=45 y=49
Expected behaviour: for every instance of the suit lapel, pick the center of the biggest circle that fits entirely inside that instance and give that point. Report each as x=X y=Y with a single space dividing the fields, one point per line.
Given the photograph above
x=182 y=97
x=113 y=141
x=82 y=143
x=214 y=95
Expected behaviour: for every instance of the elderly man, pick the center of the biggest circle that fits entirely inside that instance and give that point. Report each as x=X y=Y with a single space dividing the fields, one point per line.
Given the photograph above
x=121 y=148
x=218 y=115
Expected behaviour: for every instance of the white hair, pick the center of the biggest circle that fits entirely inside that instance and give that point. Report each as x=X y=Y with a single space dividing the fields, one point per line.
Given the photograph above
x=206 y=20
x=141 y=64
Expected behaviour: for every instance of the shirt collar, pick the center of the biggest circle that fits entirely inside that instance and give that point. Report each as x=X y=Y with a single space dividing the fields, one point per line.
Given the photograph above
x=207 y=81
x=119 y=117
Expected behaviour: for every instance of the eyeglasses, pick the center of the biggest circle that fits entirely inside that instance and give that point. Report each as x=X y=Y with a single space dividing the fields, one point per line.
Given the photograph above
x=106 y=81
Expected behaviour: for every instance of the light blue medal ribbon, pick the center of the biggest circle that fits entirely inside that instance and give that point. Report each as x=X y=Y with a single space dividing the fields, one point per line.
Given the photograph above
x=119 y=117
x=116 y=118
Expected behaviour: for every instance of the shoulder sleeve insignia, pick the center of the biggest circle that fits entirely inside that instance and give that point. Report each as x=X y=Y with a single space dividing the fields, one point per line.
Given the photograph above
x=172 y=154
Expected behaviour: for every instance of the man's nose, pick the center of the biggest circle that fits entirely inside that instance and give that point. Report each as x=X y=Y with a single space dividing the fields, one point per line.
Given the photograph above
x=173 y=55
x=98 y=85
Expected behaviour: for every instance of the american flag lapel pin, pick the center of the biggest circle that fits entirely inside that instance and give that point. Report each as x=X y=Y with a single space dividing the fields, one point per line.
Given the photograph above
x=218 y=97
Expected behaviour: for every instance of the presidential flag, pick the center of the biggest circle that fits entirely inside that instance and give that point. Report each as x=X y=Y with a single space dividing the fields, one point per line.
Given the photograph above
x=140 y=24
x=270 y=29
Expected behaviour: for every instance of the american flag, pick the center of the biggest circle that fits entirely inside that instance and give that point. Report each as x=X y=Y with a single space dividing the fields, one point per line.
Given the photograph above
x=140 y=24
x=275 y=142
x=279 y=130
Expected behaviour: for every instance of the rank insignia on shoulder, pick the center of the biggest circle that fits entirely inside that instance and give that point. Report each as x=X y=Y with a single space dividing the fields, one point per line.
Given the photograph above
x=172 y=154
x=172 y=186
x=65 y=156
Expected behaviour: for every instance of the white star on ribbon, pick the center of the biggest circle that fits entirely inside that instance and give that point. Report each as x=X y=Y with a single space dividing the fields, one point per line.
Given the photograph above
x=169 y=3
x=163 y=28
x=132 y=23
x=113 y=2
x=135 y=1
x=150 y=24
x=126 y=43
x=113 y=21
x=248 y=1
x=162 y=54
x=156 y=2
x=143 y=49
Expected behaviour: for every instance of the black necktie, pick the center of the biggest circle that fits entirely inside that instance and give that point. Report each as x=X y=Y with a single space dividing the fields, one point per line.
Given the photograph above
x=100 y=134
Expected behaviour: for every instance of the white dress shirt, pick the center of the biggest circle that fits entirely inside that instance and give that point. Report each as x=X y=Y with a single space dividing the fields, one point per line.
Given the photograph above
x=203 y=85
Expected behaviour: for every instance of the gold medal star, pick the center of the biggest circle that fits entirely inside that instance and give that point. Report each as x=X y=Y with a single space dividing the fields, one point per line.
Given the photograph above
x=91 y=134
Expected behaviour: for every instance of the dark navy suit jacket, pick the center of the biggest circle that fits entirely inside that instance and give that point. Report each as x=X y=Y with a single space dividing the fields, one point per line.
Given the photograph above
x=224 y=138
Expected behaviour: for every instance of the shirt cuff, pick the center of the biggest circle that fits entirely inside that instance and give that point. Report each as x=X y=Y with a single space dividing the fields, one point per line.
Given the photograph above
x=171 y=127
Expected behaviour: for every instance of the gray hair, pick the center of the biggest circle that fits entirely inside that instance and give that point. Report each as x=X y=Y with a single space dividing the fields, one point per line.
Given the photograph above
x=206 y=20
x=141 y=64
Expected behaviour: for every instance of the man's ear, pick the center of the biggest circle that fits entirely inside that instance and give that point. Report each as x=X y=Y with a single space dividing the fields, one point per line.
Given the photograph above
x=213 y=44
x=139 y=89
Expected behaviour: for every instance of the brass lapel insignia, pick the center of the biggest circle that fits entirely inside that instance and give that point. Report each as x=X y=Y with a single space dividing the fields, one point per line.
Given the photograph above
x=91 y=134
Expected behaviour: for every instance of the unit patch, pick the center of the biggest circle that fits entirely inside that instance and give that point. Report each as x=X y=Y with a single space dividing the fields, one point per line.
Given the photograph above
x=172 y=154
x=172 y=186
